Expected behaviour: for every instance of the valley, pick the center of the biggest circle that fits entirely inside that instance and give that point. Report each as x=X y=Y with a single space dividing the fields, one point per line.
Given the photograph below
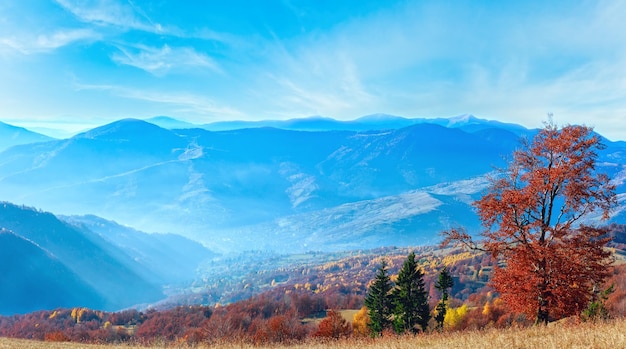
x=270 y=188
x=179 y=223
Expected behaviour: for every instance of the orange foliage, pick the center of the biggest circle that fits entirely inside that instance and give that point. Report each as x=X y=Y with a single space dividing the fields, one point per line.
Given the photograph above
x=333 y=326
x=56 y=336
x=532 y=214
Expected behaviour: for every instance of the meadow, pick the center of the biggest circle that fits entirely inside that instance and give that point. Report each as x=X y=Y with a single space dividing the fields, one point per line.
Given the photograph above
x=610 y=334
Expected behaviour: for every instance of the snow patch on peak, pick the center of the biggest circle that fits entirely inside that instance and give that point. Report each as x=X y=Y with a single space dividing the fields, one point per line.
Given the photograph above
x=462 y=119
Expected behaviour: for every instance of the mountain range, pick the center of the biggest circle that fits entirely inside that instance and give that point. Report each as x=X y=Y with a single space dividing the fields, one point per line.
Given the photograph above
x=299 y=185
x=320 y=123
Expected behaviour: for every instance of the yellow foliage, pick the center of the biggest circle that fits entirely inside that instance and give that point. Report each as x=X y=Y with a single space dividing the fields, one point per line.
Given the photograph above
x=107 y=325
x=497 y=302
x=451 y=259
x=454 y=316
x=359 y=323
x=486 y=309
x=53 y=315
x=81 y=312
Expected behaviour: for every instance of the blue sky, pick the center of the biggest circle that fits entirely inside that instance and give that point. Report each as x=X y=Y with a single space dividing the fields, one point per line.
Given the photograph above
x=76 y=63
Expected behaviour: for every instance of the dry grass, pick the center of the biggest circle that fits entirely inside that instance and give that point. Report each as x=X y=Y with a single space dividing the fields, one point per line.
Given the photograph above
x=603 y=335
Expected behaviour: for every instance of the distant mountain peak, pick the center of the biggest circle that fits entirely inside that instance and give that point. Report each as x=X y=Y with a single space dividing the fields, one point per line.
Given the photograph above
x=378 y=117
x=122 y=128
x=312 y=117
x=463 y=119
x=170 y=123
x=162 y=118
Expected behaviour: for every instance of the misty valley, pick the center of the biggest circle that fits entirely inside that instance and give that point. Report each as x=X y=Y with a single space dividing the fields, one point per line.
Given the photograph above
x=156 y=214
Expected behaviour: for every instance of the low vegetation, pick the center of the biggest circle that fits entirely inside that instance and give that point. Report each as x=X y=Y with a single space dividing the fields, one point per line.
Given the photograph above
x=293 y=313
x=604 y=334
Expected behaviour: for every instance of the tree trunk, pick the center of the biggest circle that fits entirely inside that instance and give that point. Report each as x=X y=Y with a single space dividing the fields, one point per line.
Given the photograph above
x=542 y=312
x=542 y=309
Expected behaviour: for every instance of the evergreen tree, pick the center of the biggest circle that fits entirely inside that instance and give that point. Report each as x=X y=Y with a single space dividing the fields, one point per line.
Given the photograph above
x=444 y=282
x=410 y=298
x=378 y=301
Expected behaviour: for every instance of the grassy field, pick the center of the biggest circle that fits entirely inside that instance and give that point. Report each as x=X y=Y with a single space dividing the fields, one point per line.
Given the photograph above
x=603 y=335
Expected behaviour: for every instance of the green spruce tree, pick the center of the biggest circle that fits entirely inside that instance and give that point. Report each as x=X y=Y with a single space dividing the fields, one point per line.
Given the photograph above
x=410 y=298
x=444 y=282
x=378 y=301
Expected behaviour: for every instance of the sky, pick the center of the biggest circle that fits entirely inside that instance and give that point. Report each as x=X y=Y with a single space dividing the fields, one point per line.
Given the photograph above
x=73 y=64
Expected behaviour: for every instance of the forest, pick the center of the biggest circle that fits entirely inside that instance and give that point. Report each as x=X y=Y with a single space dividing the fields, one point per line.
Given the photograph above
x=301 y=311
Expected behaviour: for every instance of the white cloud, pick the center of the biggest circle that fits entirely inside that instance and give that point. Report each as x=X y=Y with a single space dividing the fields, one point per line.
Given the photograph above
x=180 y=102
x=435 y=59
x=187 y=102
x=159 y=61
x=63 y=38
x=110 y=13
x=28 y=43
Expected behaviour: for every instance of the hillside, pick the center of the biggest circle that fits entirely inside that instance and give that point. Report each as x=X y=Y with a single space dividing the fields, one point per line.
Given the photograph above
x=168 y=258
x=12 y=135
x=115 y=277
x=78 y=267
x=33 y=279
x=281 y=300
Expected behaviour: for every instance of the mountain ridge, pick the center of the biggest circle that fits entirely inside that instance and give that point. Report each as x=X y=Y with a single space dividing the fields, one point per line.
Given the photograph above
x=209 y=185
x=11 y=135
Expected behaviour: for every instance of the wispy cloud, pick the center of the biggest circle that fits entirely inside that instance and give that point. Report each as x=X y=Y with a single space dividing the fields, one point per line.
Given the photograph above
x=433 y=59
x=63 y=38
x=110 y=13
x=160 y=61
x=180 y=102
x=28 y=44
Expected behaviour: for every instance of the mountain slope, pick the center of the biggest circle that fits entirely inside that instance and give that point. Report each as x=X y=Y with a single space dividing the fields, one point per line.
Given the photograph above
x=33 y=279
x=12 y=135
x=169 y=258
x=85 y=254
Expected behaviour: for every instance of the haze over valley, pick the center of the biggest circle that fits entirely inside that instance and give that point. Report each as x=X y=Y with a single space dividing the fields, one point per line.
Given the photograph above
x=278 y=188
x=362 y=184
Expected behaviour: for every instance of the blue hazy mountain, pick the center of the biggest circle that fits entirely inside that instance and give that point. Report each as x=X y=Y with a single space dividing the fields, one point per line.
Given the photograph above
x=168 y=258
x=467 y=122
x=34 y=279
x=12 y=135
x=48 y=262
x=170 y=123
x=268 y=187
x=104 y=277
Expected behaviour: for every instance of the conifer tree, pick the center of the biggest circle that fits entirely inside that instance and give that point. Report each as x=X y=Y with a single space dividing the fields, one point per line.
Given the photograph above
x=410 y=298
x=379 y=302
x=444 y=282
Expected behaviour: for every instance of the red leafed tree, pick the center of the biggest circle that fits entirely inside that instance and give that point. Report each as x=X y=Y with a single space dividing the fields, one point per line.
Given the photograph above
x=333 y=326
x=536 y=215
